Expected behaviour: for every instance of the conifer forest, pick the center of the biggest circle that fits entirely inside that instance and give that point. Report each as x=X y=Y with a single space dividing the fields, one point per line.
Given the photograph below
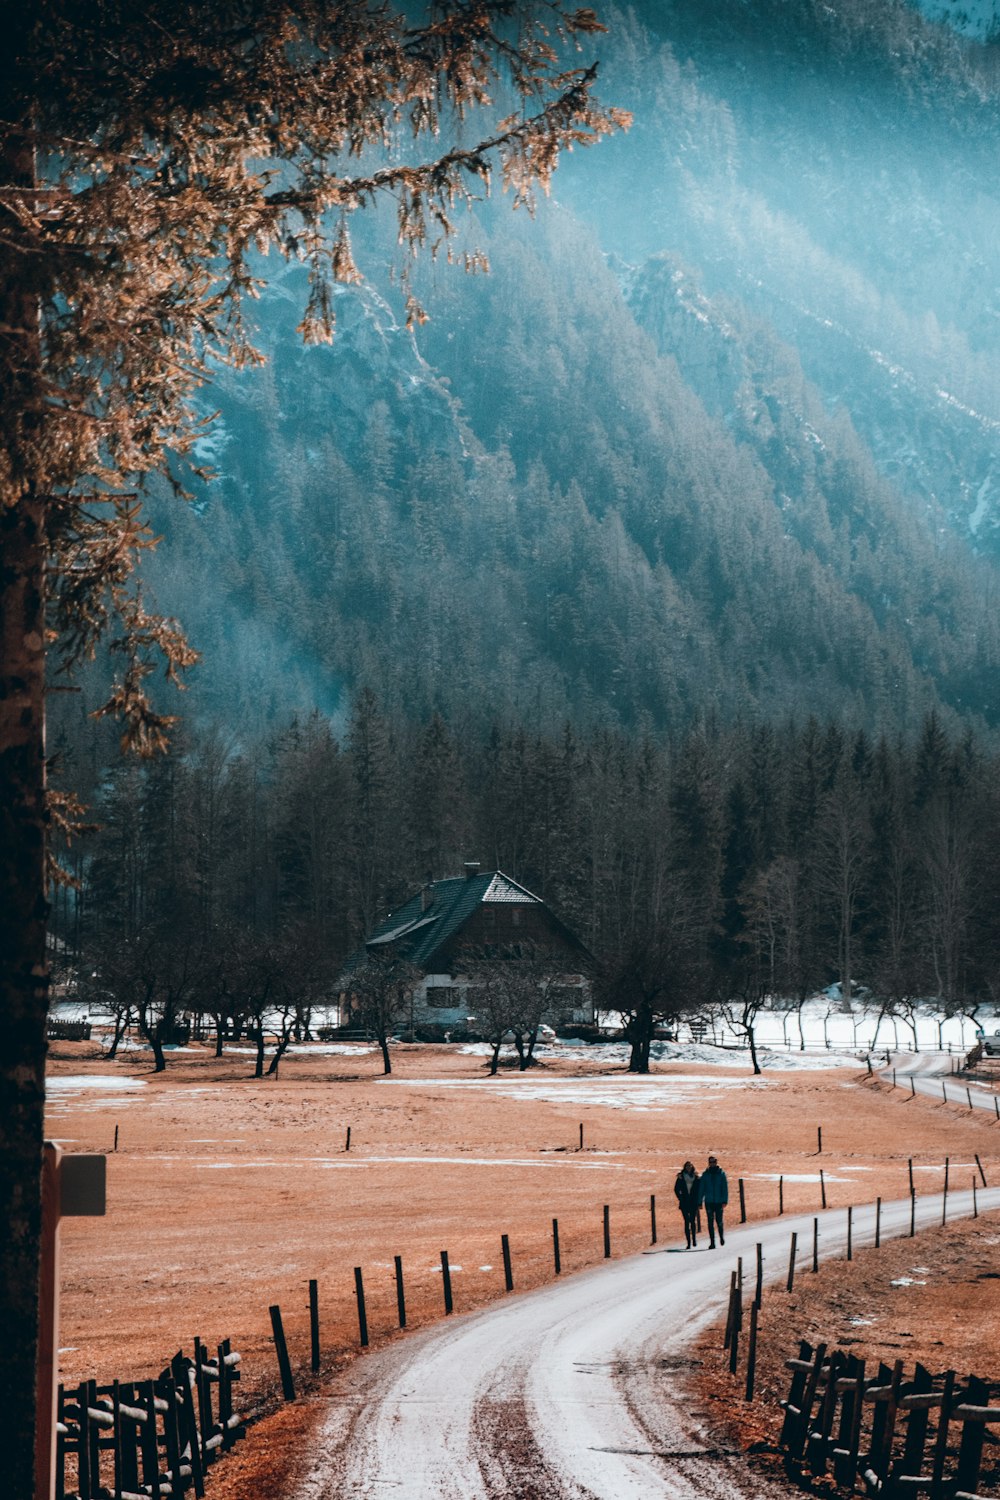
x=657 y=567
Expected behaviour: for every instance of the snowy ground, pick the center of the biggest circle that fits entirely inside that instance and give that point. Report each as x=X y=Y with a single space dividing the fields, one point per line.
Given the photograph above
x=830 y=1036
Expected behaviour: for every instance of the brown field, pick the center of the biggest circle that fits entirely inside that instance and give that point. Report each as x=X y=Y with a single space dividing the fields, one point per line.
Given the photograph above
x=227 y=1194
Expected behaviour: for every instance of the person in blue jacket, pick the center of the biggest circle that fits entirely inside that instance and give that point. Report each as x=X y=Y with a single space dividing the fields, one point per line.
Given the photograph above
x=713 y=1192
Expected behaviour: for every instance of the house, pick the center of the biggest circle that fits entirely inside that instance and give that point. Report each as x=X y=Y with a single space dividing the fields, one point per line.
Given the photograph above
x=453 y=930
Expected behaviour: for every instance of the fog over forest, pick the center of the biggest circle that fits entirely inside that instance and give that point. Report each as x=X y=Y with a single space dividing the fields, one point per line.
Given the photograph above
x=718 y=432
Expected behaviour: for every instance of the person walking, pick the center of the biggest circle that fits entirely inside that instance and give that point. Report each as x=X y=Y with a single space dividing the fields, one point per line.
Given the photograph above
x=686 y=1193
x=713 y=1191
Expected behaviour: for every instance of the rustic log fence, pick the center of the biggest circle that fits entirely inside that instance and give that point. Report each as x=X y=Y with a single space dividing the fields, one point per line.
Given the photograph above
x=148 y=1439
x=887 y=1434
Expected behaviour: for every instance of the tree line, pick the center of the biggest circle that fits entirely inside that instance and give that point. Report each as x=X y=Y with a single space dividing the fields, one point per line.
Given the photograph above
x=727 y=867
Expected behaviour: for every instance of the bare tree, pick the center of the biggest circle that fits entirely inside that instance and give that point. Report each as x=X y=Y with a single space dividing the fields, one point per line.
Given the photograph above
x=380 y=990
x=512 y=996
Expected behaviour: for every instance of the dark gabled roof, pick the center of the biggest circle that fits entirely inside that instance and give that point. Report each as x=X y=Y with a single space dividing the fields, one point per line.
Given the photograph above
x=419 y=929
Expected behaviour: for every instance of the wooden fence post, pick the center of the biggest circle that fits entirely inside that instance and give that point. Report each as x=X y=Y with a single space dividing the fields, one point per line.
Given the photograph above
x=508 y=1276
x=808 y=1397
x=734 y=1336
x=730 y=1311
x=751 y=1353
x=760 y=1276
x=446 y=1282
x=400 y=1293
x=911 y=1462
x=975 y=1204
x=910 y=1165
x=314 y=1324
x=743 y=1204
x=781 y=1195
x=555 y=1245
x=822 y=1187
x=192 y=1443
x=850 y=1229
x=791 y=1263
x=970 y=1452
x=815 y=1244
x=580 y=1147
x=982 y=1174
x=607 y=1232
x=284 y=1366
x=793 y=1406
x=819 y=1140
x=913 y=1215
x=359 y=1292
x=347 y=1144
x=652 y=1218
x=941 y=1440
x=878 y=1222
x=845 y=1462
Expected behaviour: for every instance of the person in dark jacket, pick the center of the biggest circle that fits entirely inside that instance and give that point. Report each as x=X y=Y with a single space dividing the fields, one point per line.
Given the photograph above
x=713 y=1191
x=686 y=1193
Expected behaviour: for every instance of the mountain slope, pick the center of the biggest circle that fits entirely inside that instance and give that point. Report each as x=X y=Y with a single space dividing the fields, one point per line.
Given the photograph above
x=718 y=432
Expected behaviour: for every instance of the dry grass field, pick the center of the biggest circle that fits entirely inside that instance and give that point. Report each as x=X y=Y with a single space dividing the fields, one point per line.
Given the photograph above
x=227 y=1194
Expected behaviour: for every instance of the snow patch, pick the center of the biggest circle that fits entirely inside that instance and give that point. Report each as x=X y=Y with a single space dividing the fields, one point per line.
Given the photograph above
x=75 y=1083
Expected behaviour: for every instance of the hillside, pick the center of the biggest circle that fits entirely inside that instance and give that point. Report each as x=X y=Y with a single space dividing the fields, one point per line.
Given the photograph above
x=718 y=431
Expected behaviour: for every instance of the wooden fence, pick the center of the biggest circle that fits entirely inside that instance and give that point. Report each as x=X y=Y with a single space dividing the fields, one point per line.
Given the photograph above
x=148 y=1439
x=67 y=1031
x=888 y=1435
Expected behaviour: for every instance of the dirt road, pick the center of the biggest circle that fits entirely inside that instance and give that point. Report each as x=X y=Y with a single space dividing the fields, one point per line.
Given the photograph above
x=567 y=1393
x=931 y=1074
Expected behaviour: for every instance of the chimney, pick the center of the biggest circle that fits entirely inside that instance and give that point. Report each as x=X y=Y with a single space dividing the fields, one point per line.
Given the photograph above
x=471 y=868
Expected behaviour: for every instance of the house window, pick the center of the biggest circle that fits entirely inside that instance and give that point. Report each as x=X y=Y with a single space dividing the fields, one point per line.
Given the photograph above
x=440 y=996
x=515 y=916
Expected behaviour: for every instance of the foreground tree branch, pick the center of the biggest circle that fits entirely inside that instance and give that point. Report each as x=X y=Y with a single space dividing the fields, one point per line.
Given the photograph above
x=146 y=154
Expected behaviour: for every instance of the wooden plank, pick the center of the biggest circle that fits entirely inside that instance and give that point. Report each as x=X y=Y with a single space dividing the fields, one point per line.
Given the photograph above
x=793 y=1406
x=808 y=1397
x=918 y=1416
x=941 y=1438
x=970 y=1452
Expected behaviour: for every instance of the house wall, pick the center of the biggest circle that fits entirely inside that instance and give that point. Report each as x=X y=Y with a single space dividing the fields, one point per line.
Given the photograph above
x=573 y=1003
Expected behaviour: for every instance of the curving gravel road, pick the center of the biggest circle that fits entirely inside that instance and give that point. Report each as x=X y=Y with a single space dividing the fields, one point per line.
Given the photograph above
x=931 y=1074
x=570 y=1392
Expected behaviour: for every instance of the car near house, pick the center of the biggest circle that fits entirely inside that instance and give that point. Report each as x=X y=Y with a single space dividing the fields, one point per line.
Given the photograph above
x=991 y=1044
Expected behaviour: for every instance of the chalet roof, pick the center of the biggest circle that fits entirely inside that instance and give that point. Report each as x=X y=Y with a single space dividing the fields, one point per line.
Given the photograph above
x=417 y=930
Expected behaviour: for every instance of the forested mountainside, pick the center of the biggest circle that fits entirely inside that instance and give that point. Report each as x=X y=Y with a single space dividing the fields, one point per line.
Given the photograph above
x=718 y=432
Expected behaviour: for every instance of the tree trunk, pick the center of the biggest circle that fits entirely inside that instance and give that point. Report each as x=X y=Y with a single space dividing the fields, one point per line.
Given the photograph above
x=639 y=1058
x=156 y=1042
x=258 y=1071
x=280 y=1050
x=24 y=977
x=495 y=1059
x=383 y=1042
x=752 y=1039
x=121 y=1025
